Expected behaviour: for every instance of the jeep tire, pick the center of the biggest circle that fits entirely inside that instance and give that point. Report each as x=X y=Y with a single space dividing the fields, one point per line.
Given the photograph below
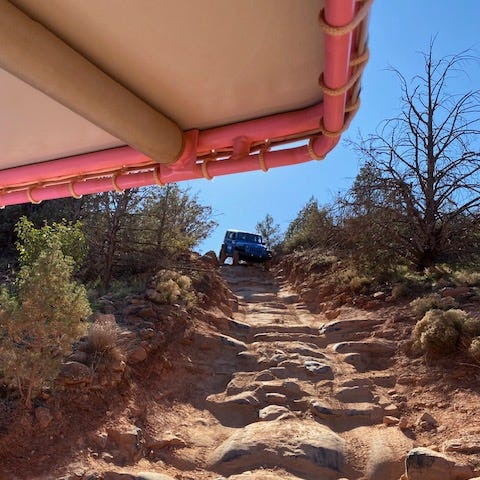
x=222 y=256
x=236 y=257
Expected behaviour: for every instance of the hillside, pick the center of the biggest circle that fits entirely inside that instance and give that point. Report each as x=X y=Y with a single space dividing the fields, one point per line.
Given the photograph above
x=271 y=375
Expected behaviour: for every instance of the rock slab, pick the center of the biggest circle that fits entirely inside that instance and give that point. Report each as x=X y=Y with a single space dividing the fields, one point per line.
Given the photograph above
x=301 y=447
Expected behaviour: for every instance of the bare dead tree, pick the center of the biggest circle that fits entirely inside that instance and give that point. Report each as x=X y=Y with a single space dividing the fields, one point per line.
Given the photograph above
x=429 y=156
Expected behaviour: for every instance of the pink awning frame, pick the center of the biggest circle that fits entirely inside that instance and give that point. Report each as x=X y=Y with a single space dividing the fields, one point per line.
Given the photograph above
x=240 y=147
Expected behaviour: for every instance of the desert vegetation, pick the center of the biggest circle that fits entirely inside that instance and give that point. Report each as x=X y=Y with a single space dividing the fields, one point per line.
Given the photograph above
x=62 y=258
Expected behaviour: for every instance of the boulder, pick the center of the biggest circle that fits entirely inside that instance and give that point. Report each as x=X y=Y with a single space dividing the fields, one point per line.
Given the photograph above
x=210 y=258
x=74 y=373
x=425 y=464
x=386 y=452
x=301 y=447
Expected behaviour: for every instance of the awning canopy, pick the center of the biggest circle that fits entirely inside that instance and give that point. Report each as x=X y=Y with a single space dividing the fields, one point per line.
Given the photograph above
x=106 y=95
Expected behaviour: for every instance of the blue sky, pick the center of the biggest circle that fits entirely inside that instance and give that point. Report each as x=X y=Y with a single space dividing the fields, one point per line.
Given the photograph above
x=399 y=32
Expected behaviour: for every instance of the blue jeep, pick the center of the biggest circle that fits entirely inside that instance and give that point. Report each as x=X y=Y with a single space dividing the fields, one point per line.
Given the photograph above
x=248 y=247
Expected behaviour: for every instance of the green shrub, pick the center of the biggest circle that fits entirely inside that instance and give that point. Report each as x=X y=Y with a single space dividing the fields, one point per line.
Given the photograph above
x=170 y=287
x=32 y=241
x=434 y=301
x=437 y=333
x=40 y=320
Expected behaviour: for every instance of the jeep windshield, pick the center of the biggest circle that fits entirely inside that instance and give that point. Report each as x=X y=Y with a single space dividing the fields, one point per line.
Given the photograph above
x=249 y=237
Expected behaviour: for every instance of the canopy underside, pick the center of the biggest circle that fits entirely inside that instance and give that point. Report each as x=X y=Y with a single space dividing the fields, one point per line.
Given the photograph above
x=109 y=95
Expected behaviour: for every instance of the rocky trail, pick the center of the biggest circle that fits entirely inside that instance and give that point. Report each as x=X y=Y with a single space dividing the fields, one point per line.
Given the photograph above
x=309 y=396
x=270 y=391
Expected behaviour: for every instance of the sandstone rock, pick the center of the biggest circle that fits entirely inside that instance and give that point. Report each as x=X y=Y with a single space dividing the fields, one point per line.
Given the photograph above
x=374 y=347
x=210 y=258
x=99 y=439
x=389 y=420
x=274 y=412
x=262 y=475
x=265 y=375
x=424 y=464
x=356 y=394
x=107 y=457
x=403 y=423
x=363 y=413
x=137 y=355
x=43 y=416
x=321 y=409
x=279 y=372
x=118 y=476
x=74 y=373
x=216 y=341
x=136 y=476
x=152 y=476
x=356 y=360
x=168 y=439
x=331 y=314
x=466 y=445
x=128 y=441
x=236 y=410
x=386 y=452
x=347 y=329
x=427 y=421
x=276 y=398
x=319 y=369
x=390 y=409
x=302 y=447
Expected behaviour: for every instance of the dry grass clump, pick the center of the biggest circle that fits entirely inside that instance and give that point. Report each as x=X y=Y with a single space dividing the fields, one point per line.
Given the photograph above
x=467 y=277
x=170 y=287
x=103 y=345
x=433 y=301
